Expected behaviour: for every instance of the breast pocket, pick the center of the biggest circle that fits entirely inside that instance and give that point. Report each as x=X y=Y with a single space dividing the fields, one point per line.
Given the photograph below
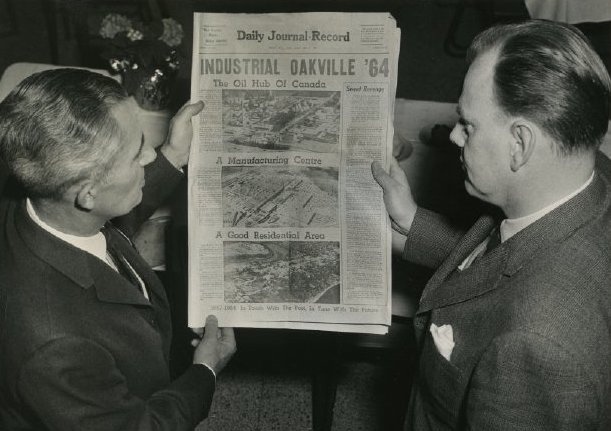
x=443 y=386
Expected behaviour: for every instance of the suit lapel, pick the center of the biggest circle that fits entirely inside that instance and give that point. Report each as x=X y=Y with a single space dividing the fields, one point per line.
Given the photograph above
x=436 y=291
x=151 y=281
x=449 y=286
x=112 y=287
x=64 y=257
x=479 y=278
x=82 y=268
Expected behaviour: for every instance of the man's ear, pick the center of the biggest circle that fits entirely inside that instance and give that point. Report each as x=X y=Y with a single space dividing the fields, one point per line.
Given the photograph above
x=522 y=144
x=84 y=195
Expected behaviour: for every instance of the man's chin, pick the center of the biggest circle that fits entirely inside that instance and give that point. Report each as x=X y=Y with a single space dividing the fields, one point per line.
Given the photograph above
x=472 y=191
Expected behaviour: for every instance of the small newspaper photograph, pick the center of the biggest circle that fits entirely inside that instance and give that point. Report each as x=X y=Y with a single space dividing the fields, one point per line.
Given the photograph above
x=287 y=227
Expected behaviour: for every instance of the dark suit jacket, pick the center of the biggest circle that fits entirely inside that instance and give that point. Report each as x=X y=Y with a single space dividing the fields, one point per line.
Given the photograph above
x=80 y=347
x=531 y=321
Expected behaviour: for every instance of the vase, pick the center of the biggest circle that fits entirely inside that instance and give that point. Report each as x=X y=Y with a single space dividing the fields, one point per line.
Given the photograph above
x=151 y=88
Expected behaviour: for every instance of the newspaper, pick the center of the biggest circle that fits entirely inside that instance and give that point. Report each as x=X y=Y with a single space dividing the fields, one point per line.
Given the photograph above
x=287 y=227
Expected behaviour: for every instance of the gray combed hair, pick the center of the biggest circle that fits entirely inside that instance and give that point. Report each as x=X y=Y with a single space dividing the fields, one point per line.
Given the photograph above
x=57 y=128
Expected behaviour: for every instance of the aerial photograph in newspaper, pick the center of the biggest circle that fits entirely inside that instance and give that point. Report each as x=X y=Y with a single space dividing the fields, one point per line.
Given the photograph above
x=281 y=120
x=282 y=271
x=271 y=196
x=287 y=227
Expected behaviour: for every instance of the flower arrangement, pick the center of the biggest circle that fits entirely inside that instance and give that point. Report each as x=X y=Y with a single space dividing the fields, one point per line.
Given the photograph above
x=146 y=55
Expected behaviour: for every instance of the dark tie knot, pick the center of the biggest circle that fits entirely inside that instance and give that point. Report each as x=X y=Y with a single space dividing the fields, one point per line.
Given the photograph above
x=494 y=239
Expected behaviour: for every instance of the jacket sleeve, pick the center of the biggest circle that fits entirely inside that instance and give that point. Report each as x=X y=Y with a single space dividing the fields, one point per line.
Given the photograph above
x=431 y=239
x=525 y=381
x=74 y=384
x=161 y=179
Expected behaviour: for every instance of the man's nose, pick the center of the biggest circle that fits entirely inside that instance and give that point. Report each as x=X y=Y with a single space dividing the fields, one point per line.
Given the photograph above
x=456 y=136
x=148 y=155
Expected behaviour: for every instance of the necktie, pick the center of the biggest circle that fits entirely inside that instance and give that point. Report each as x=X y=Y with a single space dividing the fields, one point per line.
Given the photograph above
x=123 y=266
x=494 y=239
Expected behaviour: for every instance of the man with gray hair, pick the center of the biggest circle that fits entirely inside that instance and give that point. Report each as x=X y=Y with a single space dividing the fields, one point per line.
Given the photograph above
x=84 y=322
x=514 y=327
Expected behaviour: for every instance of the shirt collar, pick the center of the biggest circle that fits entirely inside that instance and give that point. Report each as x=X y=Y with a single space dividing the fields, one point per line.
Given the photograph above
x=95 y=244
x=510 y=227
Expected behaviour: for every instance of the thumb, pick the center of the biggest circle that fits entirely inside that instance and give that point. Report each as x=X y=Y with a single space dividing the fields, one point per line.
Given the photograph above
x=195 y=108
x=212 y=327
x=188 y=110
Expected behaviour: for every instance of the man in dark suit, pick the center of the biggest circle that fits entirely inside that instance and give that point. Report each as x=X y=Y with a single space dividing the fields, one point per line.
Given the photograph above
x=84 y=322
x=514 y=327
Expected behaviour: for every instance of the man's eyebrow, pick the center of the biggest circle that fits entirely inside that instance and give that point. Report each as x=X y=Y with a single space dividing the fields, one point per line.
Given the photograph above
x=140 y=149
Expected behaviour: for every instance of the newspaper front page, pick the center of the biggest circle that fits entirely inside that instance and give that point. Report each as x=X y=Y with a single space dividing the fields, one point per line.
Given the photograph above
x=287 y=227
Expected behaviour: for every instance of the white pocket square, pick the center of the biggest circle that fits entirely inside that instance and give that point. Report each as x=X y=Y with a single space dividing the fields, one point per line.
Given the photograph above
x=443 y=338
